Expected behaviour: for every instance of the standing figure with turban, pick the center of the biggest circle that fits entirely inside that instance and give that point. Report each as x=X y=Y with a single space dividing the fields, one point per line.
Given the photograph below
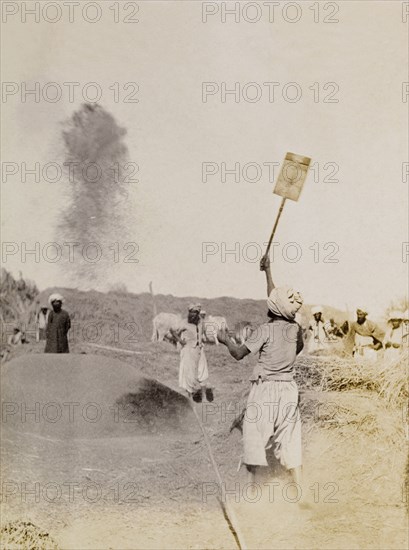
x=394 y=337
x=272 y=416
x=364 y=338
x=319 y=336
x=41 y=320
x=193 y=371
x=58 y=325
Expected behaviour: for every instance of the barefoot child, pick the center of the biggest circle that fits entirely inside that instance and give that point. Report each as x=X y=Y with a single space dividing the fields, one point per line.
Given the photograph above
x=273 y=398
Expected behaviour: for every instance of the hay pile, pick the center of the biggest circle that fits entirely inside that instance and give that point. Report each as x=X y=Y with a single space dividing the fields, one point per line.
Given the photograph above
x=327 y=373
x=393 y=380
x=25 y=535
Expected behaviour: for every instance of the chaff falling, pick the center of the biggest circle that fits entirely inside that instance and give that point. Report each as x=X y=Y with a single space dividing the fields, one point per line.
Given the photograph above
x=97 y=212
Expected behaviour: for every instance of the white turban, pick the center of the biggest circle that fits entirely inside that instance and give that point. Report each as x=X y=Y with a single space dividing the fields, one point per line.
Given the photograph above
x=55 y=297
x=284 y=302
x=317 y=309
x=396 y=315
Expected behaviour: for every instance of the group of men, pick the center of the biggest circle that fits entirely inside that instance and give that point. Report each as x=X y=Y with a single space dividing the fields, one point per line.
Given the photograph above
x=364 y=338
x=277 y=343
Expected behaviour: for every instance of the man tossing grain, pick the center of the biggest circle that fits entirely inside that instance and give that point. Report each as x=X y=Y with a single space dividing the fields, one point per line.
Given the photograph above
x=272 y=413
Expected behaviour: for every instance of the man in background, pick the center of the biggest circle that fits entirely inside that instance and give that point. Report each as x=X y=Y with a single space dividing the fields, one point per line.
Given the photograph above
x=41 y=322
x=393 y=341
x=15 y=339
x=319 y=336
x=364 y=338
x=333 y=330
x=58 y=325
x=193 y=370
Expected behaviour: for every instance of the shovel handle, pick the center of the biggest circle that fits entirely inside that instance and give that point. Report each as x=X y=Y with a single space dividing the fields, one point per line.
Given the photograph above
x=275 y=226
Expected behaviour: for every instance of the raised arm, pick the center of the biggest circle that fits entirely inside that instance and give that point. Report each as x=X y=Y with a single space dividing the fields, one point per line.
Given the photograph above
x=265 y=266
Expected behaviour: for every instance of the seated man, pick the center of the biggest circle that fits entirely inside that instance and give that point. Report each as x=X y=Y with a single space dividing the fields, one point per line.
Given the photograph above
x=15 y=339
x=333 y=330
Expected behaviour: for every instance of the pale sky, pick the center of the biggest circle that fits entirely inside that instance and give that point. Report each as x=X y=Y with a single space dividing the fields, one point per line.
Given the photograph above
x=169 y=53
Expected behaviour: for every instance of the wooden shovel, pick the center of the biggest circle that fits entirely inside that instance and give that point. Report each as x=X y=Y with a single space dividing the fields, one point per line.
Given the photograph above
x=289 y=184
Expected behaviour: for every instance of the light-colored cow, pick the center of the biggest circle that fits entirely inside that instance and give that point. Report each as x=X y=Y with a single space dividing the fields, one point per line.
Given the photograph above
x=162 y=325
x=242 y=332
x=212 y=324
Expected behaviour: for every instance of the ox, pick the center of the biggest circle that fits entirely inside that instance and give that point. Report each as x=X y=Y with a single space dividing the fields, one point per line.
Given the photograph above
x=212 y=324
x=242 y=331
x=163 y=323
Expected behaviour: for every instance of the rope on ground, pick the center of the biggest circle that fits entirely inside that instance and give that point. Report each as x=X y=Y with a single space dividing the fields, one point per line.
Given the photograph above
x=228 y=511
x=110 y=348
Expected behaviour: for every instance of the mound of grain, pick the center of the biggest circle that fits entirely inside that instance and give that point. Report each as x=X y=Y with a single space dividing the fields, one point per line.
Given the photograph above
x=61 y=396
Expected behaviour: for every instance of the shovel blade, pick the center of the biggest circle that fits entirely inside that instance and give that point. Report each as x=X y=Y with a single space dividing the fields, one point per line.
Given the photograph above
x=292 y=176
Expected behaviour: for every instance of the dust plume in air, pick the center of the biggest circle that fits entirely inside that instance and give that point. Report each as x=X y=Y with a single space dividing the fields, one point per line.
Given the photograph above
x=97 y=210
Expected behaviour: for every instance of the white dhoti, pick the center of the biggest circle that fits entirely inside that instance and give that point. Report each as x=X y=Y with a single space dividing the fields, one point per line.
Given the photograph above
x=364 y=351
x=193 y=372
x=202 y=370
x=272 y=413
x=318 y=340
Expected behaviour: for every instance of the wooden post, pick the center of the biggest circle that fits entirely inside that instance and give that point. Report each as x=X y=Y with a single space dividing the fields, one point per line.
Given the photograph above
x=155 y=311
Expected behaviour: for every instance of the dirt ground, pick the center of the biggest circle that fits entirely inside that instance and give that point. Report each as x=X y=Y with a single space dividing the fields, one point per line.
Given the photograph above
x=157 y=489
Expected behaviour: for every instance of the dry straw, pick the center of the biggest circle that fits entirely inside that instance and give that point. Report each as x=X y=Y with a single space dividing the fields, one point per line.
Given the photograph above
x=326 y=373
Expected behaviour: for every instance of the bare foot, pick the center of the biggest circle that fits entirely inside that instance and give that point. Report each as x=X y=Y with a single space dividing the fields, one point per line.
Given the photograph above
x=209 y=394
